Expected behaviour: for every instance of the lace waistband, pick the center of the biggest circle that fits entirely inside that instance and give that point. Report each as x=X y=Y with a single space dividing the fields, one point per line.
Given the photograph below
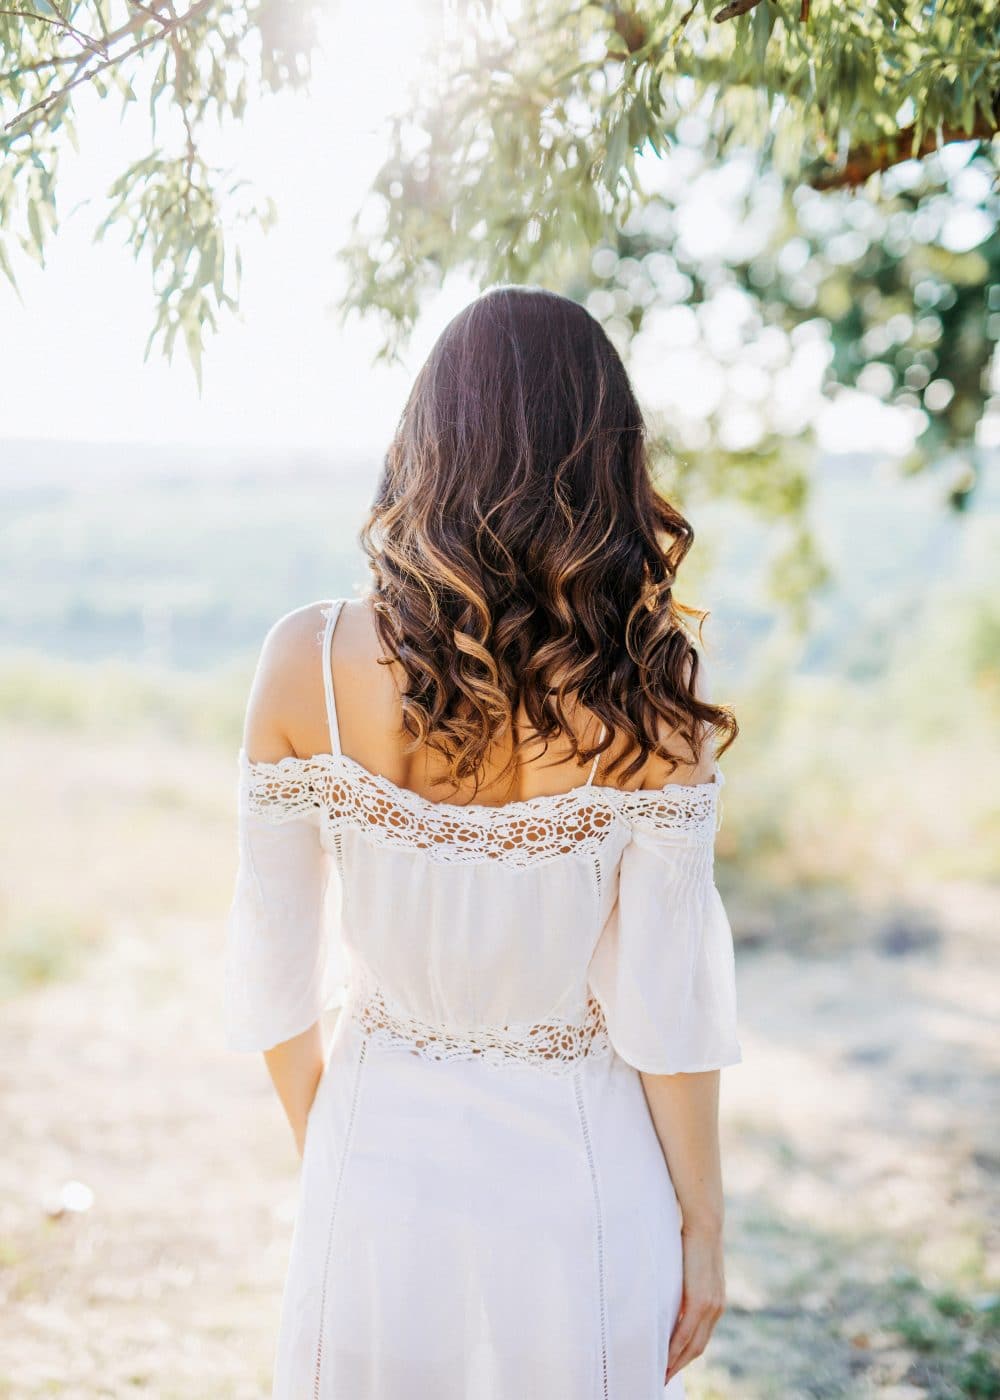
x=556 y=1045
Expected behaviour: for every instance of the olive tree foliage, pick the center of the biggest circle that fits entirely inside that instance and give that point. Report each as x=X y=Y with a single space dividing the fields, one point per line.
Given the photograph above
x=566 y=145
x=531 y=131
x=804 y=294
x=563 y=143
x=530 y=140
x=188 y=65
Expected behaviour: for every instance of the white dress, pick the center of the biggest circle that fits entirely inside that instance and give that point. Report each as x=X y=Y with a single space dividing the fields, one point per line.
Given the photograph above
x=485 y=1212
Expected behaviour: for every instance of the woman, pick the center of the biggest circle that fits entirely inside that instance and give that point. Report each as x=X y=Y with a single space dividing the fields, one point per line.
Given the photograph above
x=481 y=801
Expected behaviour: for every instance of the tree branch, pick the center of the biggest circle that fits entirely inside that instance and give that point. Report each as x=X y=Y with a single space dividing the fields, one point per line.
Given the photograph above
x=734 y=10
x=56 y=61
x=682 y=23
x=94 y=45
x=181 y=90
x=151 y=12
x=51 y=99
x=865 y=161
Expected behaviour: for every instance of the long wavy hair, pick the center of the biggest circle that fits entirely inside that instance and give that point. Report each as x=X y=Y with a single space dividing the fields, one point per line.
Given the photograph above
x=521 y=554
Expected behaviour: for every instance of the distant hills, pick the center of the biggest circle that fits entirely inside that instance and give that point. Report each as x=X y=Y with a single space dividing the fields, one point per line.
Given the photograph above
x=184 y=555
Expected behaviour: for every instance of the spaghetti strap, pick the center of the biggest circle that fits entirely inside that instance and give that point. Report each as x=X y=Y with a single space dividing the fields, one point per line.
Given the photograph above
x=597 y=759
x=331 y=612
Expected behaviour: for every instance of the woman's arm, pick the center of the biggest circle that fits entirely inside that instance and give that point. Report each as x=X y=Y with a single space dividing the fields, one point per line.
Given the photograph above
x=285 y=674
x=295 y=1067
x=685 y=1113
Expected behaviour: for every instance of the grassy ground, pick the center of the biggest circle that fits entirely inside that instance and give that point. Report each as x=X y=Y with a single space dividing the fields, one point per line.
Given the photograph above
x=147 y=1186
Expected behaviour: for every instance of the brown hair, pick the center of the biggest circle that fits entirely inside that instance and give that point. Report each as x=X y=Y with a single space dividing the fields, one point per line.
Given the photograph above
x=520 y=552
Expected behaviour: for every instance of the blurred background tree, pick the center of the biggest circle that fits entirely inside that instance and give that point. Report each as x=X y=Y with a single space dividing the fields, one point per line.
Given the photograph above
x=568 y=146
x=849 y=154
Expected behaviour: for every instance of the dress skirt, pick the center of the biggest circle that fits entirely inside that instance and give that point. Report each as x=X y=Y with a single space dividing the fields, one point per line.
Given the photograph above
x=469 y=1231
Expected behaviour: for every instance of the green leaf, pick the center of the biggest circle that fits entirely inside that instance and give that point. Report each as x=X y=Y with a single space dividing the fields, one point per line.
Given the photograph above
x=192 y=339
x=35 y=228
x=6 y=269
x=617 y=144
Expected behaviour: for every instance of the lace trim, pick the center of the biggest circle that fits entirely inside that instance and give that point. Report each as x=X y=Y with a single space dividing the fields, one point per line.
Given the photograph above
x=678 y=807
x=346 y=795
x=556 y=1045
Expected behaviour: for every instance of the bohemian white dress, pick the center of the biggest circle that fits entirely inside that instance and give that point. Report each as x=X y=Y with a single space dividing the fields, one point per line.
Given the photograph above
x=485 y=1212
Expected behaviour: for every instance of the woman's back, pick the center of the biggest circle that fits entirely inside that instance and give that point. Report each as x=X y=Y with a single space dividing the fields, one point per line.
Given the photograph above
x=459 y=821
x=504 y=904
x=523 y=943
x=367 y=687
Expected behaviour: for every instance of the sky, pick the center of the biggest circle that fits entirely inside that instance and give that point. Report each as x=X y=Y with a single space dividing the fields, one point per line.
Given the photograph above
x=286 y=373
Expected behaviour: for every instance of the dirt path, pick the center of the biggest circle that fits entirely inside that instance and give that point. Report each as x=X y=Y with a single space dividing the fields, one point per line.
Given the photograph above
x=861 y=1145
x=863 y=1153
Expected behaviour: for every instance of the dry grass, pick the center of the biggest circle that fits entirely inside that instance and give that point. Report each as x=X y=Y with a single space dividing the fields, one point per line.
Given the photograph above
x=861 y=1132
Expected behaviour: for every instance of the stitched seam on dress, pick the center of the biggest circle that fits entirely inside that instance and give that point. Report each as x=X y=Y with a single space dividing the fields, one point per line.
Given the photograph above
x=348 y=1135
x=599 y=1229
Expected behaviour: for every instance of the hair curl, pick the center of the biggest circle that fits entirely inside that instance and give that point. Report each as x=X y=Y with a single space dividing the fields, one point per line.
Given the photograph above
x=520 y=552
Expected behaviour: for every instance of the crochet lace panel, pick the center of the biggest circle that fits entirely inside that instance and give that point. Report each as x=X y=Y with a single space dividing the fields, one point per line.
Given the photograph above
x=555 y=1045
x=344 y=796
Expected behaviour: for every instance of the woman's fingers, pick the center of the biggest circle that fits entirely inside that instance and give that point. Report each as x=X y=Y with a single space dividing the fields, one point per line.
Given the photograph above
x=692 y=1334
x=697 y=1344
x=703 y=1299
x=682 y=1335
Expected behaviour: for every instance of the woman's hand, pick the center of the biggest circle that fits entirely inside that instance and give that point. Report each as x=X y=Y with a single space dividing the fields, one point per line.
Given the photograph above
x=685 y=1113
x=296 y=1067
x=703 y=1299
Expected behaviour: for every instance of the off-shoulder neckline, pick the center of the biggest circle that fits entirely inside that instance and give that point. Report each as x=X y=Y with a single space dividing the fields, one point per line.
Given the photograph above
x=408 y=798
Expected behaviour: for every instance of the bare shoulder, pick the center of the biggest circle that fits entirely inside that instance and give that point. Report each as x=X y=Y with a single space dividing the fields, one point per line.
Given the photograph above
x=293 y=641
x=658 y=771
x=286 y=713
x=356 y=640
x=367 y=689
x=283 y=693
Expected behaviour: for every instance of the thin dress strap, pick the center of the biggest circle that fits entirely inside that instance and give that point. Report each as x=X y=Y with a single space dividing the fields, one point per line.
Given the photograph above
x=597 y=759
x=332 y=613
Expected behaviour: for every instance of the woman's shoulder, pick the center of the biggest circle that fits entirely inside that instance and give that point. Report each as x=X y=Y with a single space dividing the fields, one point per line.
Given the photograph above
x=287 y=710
x=290 y=637
x=293 y=640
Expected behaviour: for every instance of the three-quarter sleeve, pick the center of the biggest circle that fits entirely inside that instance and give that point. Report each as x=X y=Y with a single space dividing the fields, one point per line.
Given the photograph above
x=663 y=969
x=282 y=968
